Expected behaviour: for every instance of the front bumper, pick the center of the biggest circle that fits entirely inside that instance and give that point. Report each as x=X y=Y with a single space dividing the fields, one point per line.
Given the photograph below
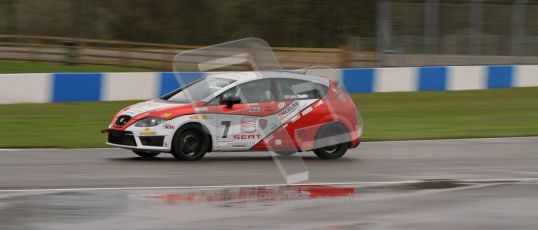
x=121 y=137
x=128 y=140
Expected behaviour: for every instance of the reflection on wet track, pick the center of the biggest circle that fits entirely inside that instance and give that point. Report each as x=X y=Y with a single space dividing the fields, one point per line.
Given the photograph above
x=260 y=195
x=200 y=208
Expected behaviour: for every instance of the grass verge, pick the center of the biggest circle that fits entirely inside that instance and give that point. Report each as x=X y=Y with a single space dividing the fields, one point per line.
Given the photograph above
x=387 y=116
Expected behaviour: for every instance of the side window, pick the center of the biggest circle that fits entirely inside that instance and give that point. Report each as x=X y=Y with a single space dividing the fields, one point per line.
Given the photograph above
x=255 y=91
x=229 y=93
x=292 y=89
x=250 y=92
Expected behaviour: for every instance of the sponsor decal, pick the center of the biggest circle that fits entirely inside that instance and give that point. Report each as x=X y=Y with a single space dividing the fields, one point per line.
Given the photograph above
x=254 y=109
x=200 y=109
x=320 y=102
x=168 y=126
x=198 y=117
x=278 y=142
x=146 y=132
x=281 y=105
x=294 y=105
x=248 y=125
x=165 y=115
x=246 y=136
x=293 y=96
x=262 y=123
x=307 y=111
x=122 y=120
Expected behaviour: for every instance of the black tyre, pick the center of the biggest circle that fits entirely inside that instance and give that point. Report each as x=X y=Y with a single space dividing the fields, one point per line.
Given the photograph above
x=332 y=142
x=190 y=143
x=145 y=154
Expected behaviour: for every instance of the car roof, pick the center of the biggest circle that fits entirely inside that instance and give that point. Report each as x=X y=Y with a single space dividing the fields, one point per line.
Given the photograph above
x=246 y=76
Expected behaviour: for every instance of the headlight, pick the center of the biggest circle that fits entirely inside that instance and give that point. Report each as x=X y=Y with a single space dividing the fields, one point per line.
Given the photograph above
x=149 y=122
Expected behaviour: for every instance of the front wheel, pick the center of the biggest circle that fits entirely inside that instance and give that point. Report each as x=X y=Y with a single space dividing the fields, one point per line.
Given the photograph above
x=190 y=144
x=145 y=154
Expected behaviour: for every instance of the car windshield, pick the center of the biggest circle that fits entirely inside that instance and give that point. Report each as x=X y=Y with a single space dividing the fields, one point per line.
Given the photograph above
x=200 y=89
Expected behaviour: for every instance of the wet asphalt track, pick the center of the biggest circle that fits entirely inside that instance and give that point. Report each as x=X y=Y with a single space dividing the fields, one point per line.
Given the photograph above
x=442 y=184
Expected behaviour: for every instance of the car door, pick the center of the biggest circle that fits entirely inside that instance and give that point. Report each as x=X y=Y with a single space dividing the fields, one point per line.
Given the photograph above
x=242 y=125
x=294 y=98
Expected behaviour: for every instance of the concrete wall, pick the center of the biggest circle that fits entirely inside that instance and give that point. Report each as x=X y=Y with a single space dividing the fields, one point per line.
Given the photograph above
x=72 y=87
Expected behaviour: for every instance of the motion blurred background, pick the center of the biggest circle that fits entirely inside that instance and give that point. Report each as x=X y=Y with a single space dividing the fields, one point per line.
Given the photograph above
x=488 y=42
x=399 y=32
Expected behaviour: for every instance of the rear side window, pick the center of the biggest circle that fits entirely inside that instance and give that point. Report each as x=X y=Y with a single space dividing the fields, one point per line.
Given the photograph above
x=294 y=89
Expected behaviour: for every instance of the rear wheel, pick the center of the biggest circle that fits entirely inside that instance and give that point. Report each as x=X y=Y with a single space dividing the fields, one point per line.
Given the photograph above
x=190 y=143
x=332 y=142
x=146 y=154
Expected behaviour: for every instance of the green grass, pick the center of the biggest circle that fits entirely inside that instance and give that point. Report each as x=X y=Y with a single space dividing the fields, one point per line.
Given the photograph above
x=461 y=114
x=7 y=66
x=387 y=116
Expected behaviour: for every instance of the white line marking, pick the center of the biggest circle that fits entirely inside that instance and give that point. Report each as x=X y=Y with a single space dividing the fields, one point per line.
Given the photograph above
x=47 y=149
x=461 y=139
x=501 y=180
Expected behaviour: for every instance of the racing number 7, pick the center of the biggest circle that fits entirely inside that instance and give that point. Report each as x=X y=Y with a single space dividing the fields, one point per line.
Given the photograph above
x=226 y=128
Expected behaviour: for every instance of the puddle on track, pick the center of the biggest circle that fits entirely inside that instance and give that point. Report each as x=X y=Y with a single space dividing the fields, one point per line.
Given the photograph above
x=37 y=211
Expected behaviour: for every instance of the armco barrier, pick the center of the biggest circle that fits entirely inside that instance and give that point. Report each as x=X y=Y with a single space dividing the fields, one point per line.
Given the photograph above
x=70 y=87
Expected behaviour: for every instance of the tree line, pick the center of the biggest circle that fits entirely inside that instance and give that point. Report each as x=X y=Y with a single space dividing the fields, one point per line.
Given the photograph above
x=297 y=23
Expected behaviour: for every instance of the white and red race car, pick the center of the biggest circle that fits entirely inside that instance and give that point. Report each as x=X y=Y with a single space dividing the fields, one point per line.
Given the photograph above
x=239 y=111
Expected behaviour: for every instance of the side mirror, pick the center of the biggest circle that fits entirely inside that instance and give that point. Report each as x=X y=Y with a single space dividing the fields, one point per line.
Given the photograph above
x=230 y=101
